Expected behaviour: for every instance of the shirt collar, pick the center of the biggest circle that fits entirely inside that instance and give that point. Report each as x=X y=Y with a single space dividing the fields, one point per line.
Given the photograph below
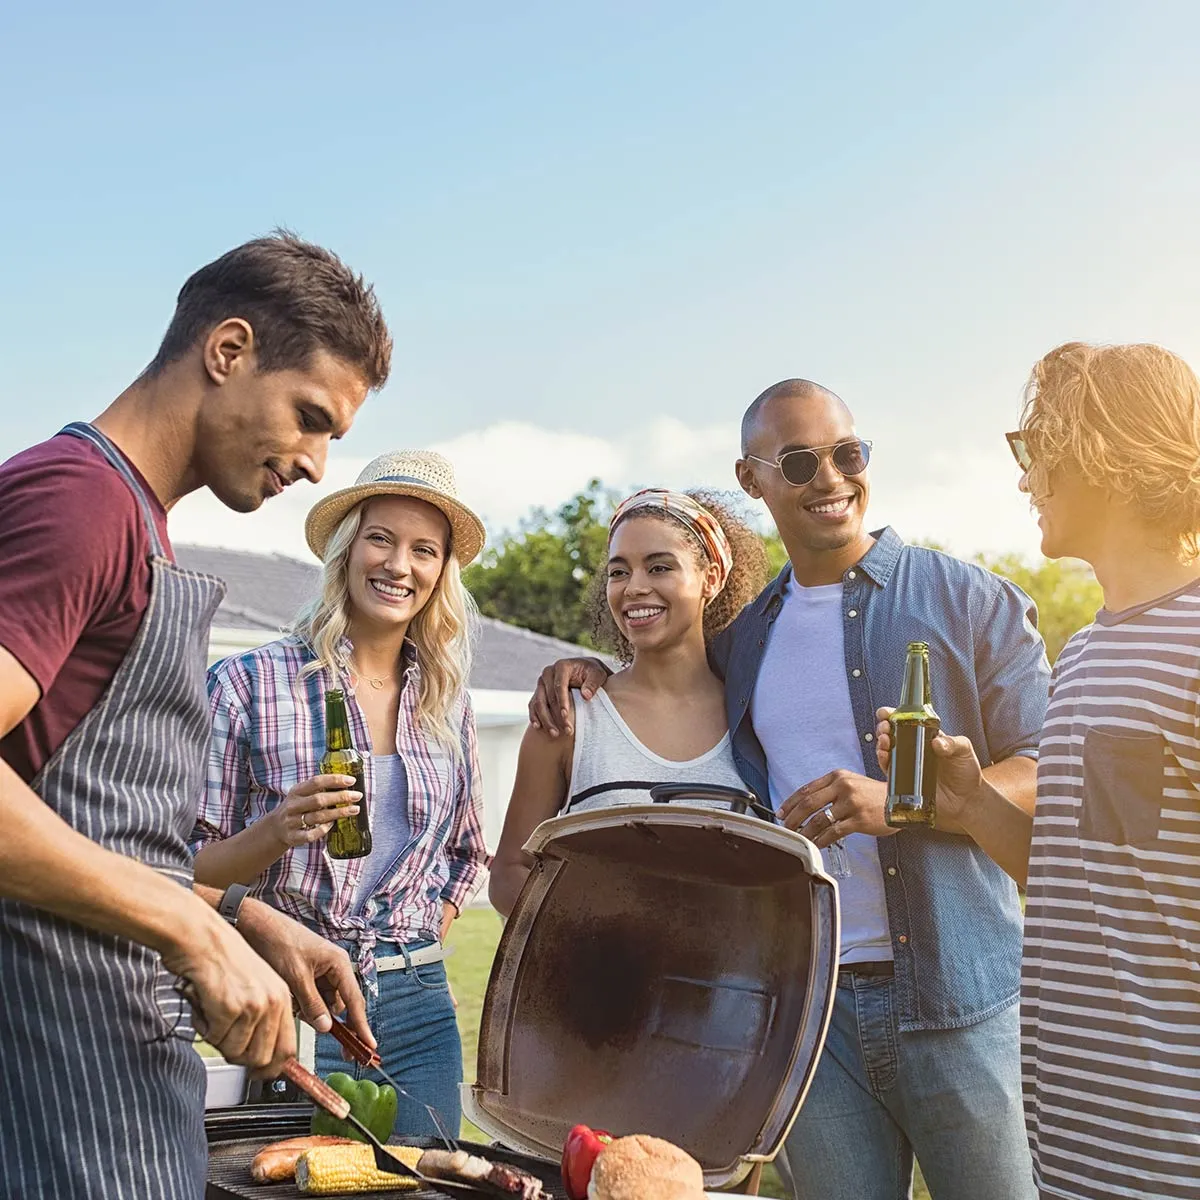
x=408 y=653
x=880 y=561
x=877 y=564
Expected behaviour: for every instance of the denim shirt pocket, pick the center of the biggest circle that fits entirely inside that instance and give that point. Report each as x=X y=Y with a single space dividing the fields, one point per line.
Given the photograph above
x=1122 y=787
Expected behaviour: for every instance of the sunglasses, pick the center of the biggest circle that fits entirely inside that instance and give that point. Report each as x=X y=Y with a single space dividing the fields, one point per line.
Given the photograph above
x=799 y=467
x=1019 y=446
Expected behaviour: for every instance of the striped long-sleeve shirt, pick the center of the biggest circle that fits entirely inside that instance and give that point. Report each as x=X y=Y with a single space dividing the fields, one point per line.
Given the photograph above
x=268 y=734
x=1110 y=1001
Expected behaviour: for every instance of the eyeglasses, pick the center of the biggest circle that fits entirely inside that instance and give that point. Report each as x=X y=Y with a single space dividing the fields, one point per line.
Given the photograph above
x=801 y=466
x=1018 y=443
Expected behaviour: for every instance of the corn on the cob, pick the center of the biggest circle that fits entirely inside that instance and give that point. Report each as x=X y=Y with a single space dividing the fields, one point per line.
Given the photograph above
x=334 y=1170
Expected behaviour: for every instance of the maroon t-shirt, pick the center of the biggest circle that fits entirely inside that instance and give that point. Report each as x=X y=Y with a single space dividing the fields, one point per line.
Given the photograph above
x=74 y=584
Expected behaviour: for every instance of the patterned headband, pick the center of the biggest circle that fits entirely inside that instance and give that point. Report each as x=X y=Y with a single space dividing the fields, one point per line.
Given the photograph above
x=687 y=512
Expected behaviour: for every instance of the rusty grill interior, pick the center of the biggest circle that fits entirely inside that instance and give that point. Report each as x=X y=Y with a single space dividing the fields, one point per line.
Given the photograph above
x=661 y=973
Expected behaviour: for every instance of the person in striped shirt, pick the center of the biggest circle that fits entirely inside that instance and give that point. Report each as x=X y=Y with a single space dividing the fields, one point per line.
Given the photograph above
x=394 y=628
x=1109 y=451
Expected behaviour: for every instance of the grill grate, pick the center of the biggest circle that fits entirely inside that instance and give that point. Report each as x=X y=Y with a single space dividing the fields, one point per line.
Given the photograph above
x=229 y=1177
x=229 y=1170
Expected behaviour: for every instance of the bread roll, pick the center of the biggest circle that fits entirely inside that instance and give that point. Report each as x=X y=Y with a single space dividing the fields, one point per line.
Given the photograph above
x=645 y=1168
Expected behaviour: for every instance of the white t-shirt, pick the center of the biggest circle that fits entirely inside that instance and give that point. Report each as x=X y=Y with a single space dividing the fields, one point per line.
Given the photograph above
x=803 y=717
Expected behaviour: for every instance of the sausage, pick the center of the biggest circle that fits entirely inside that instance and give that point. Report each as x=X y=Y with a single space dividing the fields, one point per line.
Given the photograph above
x=277 y=1161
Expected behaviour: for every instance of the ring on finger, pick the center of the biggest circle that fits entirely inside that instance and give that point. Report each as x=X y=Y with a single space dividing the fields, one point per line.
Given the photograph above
x=827 y=813
x=304 y=820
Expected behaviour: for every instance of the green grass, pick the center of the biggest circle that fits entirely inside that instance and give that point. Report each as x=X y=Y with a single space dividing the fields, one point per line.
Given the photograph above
x=473 y=939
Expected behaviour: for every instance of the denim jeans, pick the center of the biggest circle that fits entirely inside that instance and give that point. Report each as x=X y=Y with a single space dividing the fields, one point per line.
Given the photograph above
x=951 y=1096
x=413 y=1021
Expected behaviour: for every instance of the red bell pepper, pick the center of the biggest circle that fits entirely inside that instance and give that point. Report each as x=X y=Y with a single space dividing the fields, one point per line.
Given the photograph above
x=580 y=1151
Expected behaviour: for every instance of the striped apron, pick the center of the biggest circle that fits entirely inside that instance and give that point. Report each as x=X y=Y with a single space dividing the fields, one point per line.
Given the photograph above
x=101 y=1093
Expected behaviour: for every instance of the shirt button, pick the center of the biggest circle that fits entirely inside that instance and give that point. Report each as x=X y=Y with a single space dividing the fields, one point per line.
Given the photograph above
x=852 y=613
x=891 y=870
x=856 y=672
x=868 y=737
x=851 y=574
x=903 y=939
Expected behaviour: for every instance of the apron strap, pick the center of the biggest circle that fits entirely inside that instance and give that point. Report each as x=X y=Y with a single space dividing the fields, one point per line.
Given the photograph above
x=89 y=433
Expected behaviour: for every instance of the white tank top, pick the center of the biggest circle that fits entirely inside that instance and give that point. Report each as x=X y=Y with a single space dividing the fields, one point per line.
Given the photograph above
x=607 y=752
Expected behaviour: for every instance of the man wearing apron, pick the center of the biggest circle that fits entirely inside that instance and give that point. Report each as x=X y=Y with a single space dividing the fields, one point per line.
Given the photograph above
x=107 y=953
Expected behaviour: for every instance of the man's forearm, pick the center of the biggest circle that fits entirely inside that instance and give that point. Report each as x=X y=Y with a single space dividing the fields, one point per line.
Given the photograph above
x=998 y=818
x=46 y=863
x=1014 y=778
x=1001 y=826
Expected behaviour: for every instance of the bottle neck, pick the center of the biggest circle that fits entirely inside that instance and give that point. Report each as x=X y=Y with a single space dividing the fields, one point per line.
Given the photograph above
x=337 y=724
x=915 y=693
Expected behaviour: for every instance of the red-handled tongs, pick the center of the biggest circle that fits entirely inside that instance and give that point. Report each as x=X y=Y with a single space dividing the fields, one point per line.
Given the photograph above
x=365 y=1056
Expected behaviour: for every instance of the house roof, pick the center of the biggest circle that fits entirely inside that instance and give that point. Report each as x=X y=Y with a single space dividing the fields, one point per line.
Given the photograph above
x=266 y=590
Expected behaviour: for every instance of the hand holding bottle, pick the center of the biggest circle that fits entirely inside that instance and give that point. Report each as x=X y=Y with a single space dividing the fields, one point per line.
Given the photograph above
x=959 y=772
x=310 y=809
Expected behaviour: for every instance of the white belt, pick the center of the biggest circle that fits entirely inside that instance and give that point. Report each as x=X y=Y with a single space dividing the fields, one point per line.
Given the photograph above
x=416 y=958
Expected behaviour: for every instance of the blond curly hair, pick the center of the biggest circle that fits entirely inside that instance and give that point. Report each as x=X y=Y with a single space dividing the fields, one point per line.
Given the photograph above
x=1128 y=419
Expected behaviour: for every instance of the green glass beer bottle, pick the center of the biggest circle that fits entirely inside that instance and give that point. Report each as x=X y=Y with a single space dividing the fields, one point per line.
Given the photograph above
x=350 y=837
x=912 y=773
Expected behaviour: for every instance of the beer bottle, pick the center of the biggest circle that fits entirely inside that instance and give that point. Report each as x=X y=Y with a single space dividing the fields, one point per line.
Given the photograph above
x=350 y=837
x=912 y=773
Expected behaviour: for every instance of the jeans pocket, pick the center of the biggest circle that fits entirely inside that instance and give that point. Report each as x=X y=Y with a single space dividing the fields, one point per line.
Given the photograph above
x=1122 y=787
x=431 y=977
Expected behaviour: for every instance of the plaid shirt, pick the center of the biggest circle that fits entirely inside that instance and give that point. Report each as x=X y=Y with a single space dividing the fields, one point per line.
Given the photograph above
x=268 y=734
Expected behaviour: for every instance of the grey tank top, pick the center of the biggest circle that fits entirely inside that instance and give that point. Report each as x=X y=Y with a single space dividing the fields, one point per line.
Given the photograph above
x=607 y=752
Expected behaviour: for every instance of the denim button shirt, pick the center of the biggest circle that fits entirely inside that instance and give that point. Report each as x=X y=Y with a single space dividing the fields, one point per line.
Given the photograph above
x=954 y=915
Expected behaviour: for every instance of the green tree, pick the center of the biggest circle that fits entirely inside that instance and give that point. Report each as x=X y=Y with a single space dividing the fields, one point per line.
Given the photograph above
x=776 y=554
x=539 y=577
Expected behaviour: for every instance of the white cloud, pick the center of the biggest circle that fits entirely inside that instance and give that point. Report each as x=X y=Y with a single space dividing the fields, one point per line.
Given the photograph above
x=967 y=501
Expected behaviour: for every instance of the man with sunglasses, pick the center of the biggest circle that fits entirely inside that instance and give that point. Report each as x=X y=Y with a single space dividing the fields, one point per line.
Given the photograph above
x=922 y=1052
x=1110 y=984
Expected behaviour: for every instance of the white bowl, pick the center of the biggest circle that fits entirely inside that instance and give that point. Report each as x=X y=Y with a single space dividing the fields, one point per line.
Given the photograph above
x=226 y=1085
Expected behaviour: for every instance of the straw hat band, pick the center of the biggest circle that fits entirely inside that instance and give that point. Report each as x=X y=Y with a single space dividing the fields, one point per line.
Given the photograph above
x=404 y=479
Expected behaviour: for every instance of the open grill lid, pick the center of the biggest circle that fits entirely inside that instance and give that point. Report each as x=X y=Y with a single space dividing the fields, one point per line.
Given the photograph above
x=667 y=970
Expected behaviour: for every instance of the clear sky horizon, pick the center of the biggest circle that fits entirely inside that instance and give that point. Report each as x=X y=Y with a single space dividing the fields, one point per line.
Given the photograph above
x=597 y=233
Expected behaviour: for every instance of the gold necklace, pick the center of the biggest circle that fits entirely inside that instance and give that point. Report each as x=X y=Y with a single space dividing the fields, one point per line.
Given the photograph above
x=376 y=683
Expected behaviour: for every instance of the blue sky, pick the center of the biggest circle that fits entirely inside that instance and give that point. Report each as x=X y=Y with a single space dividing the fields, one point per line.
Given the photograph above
x=599 y=231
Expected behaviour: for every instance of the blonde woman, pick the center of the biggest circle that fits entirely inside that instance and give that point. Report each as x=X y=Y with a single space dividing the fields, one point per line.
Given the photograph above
x=393 y=627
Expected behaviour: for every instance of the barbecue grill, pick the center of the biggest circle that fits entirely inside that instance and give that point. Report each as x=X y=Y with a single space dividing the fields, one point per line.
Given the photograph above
x=667 y=969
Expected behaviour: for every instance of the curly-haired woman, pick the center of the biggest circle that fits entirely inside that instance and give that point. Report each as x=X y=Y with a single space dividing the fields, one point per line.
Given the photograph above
x=393 y=627
x=680 y=567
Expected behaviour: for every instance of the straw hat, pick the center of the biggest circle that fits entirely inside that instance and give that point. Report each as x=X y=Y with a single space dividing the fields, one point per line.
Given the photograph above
x=420 y=473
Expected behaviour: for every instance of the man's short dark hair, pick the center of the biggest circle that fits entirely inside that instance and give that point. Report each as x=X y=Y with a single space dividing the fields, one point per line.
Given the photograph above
x=298 y=298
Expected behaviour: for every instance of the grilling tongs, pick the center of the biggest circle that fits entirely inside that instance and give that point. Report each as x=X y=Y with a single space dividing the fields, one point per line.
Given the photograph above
x=319 y=1092
x=366 y=1057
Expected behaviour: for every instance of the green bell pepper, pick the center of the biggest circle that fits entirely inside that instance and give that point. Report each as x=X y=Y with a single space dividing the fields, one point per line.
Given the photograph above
x=373 y=1105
